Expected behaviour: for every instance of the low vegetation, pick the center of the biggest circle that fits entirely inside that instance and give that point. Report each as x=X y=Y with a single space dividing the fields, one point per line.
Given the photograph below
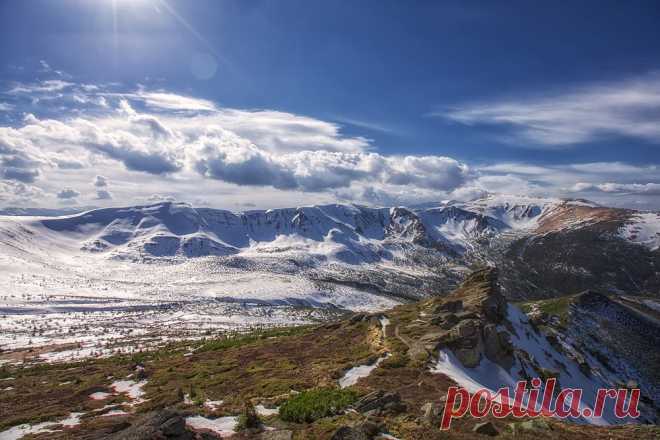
x=315 y=404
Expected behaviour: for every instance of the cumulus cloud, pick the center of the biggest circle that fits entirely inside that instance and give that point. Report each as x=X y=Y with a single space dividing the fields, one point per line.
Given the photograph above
x=19 y=160
x=102 y=194
x=595 y=111
x=18 y=193
x=68 y=164
x=224 y=156
x=67 y=193
x=643 y=189
x=197 y=150
x=100 y=181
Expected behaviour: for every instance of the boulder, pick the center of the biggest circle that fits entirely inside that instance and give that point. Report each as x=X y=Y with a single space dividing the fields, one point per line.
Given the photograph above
x=445 y=320
x=359 y=317
x=155 y=424
x=432 y=412
x=349 y=433
x=465 y=329
x=485 y=428
x=276 y=435
x=469 y=357
x=518 y=428
x=497 y=346
x=364 y=431
x=449 y=306
x=380 y=402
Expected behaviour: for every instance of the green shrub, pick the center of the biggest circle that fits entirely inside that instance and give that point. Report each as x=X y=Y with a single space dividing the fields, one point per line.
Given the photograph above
x=397 y=360
x=248 y=418
x=315 y=404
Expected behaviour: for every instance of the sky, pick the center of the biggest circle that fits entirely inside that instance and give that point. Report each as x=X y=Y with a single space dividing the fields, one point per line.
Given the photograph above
x=243 y=104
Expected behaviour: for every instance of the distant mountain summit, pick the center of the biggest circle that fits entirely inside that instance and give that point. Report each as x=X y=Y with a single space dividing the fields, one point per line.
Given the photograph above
x=545 y=246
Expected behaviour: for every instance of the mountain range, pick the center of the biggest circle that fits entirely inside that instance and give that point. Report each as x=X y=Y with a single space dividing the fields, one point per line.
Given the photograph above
x=545 y=247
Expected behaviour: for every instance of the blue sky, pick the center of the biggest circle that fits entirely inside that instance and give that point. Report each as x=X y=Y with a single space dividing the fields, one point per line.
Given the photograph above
x=277 y=103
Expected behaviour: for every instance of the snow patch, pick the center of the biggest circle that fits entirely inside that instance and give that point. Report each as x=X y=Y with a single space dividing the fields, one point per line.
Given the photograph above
x=265 y=412
x=356 y=373
x=223 y=426
x=643 y=229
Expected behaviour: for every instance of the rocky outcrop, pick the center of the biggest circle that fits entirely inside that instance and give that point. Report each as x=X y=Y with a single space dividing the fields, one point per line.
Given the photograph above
x=485 y=428
x=468 y=322
x=163 y=424
x=380 y=402
x=363 y=431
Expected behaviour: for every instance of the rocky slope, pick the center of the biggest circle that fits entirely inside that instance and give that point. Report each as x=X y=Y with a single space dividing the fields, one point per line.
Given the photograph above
x=289 y=384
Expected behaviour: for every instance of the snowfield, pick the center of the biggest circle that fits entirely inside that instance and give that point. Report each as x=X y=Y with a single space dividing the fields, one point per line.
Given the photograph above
x=125 y=279
x=643 y=229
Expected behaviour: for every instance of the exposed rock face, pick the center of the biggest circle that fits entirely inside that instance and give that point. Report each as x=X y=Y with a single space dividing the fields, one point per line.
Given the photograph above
x=472 y=314
x=276 y=435
x=363 y=431
x=485 y=428
x=497 y=345
x=432 y=411
x=157 y=425
x=380 y=402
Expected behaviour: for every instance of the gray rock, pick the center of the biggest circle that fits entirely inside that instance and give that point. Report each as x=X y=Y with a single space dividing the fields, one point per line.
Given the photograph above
x=527 y=426
x=497 y=346
x=485 y=428
x=449 y=306
x=276 y=435
x=364 y=431
x=469 y=357
x=156 y=424
x=379 y=402
x=432 y=412
x=445 y=320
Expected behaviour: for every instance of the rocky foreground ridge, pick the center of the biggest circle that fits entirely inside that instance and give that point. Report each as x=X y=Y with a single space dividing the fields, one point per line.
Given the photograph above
x=370 y=376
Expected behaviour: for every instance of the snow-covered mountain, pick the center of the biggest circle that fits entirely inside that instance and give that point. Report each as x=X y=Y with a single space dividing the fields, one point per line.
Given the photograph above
x=347 y=233
x=203 y=268
x=518 y=232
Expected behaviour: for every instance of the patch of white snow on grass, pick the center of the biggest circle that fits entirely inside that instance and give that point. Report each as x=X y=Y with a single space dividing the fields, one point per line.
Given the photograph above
x=223 y=426
x=213 y=404
x=20 y=431
x=356 y=373
x=115 y=412
x=72 y=420
x=265 y=412
x=131 y=388
x=99 y=395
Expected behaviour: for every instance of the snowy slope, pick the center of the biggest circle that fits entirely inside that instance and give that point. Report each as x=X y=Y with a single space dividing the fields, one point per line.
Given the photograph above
x=539 y=353
x=346 y=233
x=644 y=229
x=516 y=212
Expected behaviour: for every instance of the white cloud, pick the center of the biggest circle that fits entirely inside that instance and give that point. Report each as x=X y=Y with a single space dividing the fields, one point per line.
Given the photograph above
x=625 y=108
x=51 y=85
x=192 y=150
x=225 y=156
x=102 y=194
x=643 y=189
x=5 y=107
x=161 y=100
x=68 y=193
x=17 y=193
x=100 y=181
